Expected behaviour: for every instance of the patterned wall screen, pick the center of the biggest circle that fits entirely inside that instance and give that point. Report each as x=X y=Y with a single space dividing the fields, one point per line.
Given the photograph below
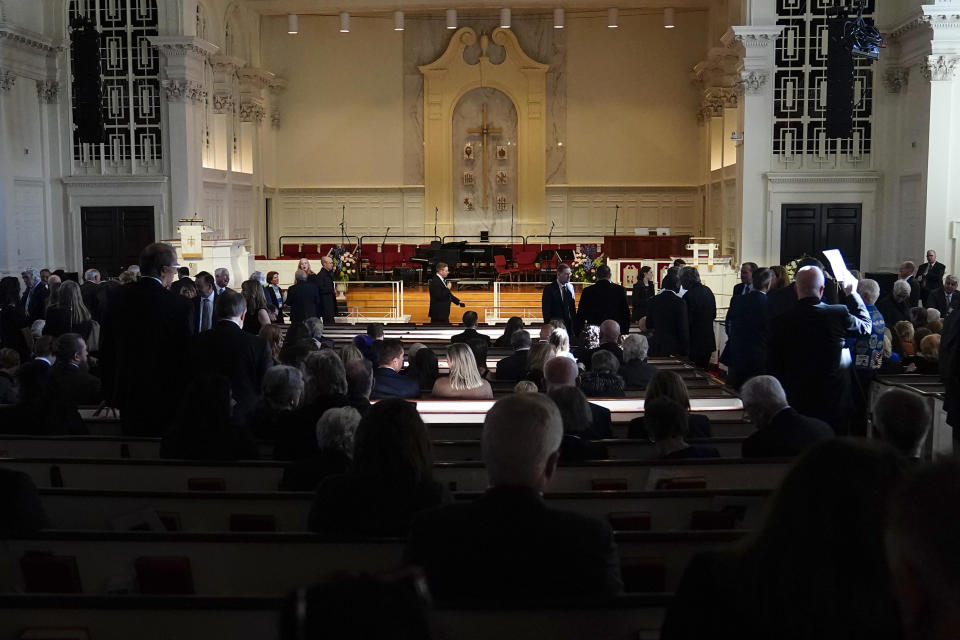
x=800 y=89
x=131 y=86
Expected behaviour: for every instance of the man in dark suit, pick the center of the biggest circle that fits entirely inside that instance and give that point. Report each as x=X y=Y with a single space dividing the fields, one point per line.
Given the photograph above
x=183 y=277
x=562 y=371
x=34 y=299
x=930 y=273
x=328 y=291
x=945 y=299
x=805 y=347
x=303 y=298
x=143 y=345
x=230 y=351
x=440 y=296
x=201 y=307
x=387 y=381
x=69 y=386
x=89 y=290
x=470 y=320
x=33 y=375
x=558 y=299
x=603 y=301
x=907 y=270
x=508 y=544
x=513 y=367
x=781 y=431
x=747 y=269
x=701 y=312
x=667 y=319
x=221 y=279
x=895 y=306
x=746 y=325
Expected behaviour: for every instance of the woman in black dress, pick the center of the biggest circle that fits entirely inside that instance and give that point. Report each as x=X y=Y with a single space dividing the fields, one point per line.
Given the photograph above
x=643 y=290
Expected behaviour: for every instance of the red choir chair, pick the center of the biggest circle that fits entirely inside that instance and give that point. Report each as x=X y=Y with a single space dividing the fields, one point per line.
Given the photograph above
x=290 y=251
x=526 y=262
x=500 y=263
x=308 y=248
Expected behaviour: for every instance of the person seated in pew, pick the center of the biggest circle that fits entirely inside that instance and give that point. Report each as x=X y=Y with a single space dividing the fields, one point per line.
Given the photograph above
x=609 y=341
x=9 y=361
x=206 y=427
x=815 y=569
x=563 y=372
x=525 y=386
x=464 y=380
x=539 y=354
x=424 y=368
x=927 y=362
x=32 y=376
x=69 y=386
x=508 y=545
x=514 y=324
x=480 y=348
x=349 y=353
x=603 y=379
x=388 y=383
x=294 y=352
x=281 y=392
x=470 y=320
x=668 y=384
x=390 y=481
x=667 y=422
x=359 y=384
x=781 y=431
x=922 y=529
x=589 y=342
x=335 y=434
x=324 y=387
x=577 y=419
x=902 y=418
x=365 y=342
x=314 y=327
x=512 y=367
x=636 y=371
x=560 y=340
x=21 y=510
x=273 y=336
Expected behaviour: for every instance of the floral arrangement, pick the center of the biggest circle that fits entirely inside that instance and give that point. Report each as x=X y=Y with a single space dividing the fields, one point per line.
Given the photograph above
x=793 y=266
x=585 y=263
x=344 y=264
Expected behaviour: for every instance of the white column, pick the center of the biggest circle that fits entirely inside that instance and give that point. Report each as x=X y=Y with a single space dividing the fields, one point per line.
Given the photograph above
x=756 y=45
x=184 y=58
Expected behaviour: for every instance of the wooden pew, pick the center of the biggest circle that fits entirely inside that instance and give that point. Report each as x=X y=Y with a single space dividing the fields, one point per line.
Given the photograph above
x=272 y=564
x=180 y=475
x=721 y=428
x=938 y=443
x=215 y=511
x=205 y=617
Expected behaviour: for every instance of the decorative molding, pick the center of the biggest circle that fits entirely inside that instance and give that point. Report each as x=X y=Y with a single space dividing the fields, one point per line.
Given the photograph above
x=942 y=15
x=939 y=68
x=222 y=103
x=895 y=78
x=15 y=36
x=255 y=77
x=7 y=80
x=252 y=112
x=823 y=178
x=48 y=91
x=184 y=91
x=715 y=101
x=752 y=37
x=225 y=64
x=753 y=81
x=183 y=47
x=915 y=21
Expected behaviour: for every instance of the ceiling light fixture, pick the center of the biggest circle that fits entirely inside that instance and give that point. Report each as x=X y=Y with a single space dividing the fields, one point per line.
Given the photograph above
x=293 y=24
x=398 y=21
x=612 y=15
x=505 y=18
x=344 y=22
x=668 y=18
x=451 y=18
x=558 y=18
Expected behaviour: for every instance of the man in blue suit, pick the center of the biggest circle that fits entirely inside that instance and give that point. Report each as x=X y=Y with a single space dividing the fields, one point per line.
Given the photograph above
x=747 y=331
x=387 y=381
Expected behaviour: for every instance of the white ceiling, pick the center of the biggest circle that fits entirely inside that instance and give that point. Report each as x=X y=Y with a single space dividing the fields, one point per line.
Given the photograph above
x=474 y=7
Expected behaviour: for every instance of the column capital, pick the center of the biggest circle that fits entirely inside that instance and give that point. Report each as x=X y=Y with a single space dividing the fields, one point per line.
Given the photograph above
x=895 y=78
x=48 y=91
x=753 y=81
x=752 y=37
x=252 y=112
x=254 y=78
x=940 y=68
x=185 y=56
x=719 y=69
x=7 y=80
x=179 y=90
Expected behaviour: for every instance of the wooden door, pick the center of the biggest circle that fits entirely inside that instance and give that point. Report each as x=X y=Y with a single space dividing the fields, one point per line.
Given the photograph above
x=808 y=229
x=113 y=237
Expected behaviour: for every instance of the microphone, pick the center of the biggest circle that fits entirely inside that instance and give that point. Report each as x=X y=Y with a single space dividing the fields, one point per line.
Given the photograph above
x=436 y=214
x=616 y=216
x=383 y=256
x=553 y=223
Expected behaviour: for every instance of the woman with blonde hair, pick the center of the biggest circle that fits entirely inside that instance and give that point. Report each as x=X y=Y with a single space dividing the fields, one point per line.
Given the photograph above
x=536 y=358
x=464 y=380
x=69 y=314
x=257 y=316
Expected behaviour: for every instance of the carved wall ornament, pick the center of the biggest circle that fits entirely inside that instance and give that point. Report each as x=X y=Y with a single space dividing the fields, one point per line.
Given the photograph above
x=753 y=81
x=24 y=39
x=48 y=91
x=7 y=80
x=184 y=90
x=183 y=47
x=895 y=79
x=252 y=112
x=940 y=68
x=222 y=103
x=275 y=117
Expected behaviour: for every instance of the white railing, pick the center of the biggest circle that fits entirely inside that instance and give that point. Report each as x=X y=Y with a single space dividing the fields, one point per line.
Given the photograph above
x=394 y=312
x=530 y=308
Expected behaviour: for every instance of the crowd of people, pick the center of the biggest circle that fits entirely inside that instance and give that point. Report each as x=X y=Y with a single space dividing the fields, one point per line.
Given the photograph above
x=858 y=527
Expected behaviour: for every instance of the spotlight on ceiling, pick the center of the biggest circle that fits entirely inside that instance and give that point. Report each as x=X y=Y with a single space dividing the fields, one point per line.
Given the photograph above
x=344 y=22
x=612 y=16
x=558 y=18
x=451 y=18
x=293 y=24
x=505 y=18
x=398 y=21
x=668 y=21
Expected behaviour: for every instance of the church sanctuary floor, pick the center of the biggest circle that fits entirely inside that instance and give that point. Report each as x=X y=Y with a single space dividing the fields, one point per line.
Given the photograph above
x=521 y=299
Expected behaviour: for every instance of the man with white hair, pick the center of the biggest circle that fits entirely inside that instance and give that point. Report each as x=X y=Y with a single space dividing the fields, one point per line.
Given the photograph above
x=895 y=306
x=508 y=544
x=328 y=291
x=906 y=272
x=781 y=431
x=34 y=299
x=89 y=290
x=805 y=347
x=221 y=278
x=945 y=299
x=303 y=298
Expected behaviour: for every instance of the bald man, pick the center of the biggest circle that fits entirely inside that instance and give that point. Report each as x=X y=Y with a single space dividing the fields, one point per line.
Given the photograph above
x=806 y=345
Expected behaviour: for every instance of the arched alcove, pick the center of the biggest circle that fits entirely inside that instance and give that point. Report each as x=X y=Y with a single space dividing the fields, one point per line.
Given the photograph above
x=446 y=81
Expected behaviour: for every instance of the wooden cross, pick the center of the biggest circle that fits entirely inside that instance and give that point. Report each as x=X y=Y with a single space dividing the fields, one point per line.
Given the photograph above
x=484 y=131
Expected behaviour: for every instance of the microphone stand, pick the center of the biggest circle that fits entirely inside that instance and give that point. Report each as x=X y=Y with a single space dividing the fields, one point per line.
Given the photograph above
x=343 y=225
x=383 y=256
x=553 y=223
x=436 y=214
x=511 y=224
x=616 y=216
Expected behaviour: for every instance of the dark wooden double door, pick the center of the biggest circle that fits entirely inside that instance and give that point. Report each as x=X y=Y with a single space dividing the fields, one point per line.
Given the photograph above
x=114 y=236
x=808 y=229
